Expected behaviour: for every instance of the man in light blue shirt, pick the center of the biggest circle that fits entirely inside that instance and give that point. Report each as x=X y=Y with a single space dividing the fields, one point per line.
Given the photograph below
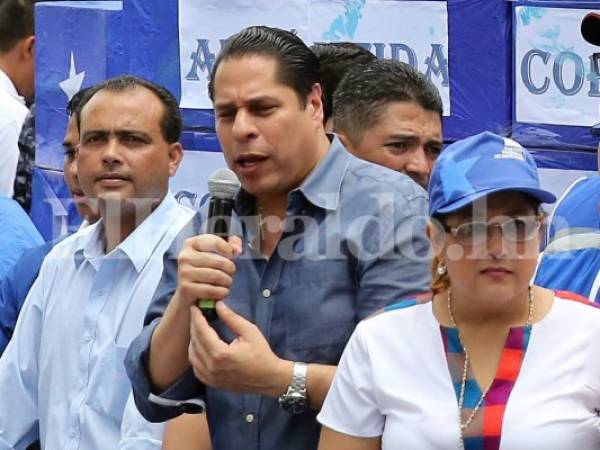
x=18 y=233
x=63 y=370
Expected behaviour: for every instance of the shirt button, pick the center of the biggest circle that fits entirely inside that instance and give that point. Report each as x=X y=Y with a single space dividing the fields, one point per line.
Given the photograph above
x=266 y=293
x=72 y=433
x=99 y=293
x=249 y=418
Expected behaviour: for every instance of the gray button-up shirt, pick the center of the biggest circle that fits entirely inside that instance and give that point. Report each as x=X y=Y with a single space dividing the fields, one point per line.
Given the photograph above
x=354 y=242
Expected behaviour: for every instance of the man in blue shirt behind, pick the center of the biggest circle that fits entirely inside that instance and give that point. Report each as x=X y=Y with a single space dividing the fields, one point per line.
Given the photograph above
x=15 y=284
x=322 y=240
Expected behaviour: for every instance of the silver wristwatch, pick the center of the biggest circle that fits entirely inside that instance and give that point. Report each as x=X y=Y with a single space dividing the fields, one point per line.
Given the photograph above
x=295 y=400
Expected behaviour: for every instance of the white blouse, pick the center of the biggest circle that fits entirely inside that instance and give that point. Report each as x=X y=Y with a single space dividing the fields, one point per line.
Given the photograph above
x=393 y=381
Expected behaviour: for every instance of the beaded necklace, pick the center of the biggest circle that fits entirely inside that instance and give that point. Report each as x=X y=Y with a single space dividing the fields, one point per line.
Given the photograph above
x=461 y=398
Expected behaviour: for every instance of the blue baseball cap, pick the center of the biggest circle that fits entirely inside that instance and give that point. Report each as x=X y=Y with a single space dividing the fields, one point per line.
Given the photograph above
x=481 y=165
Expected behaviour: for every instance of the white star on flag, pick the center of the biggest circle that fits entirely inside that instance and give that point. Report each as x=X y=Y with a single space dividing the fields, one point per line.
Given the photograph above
x=72 y=85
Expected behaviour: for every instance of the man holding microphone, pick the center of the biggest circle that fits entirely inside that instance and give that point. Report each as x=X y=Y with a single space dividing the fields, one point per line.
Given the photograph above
x=322 y=240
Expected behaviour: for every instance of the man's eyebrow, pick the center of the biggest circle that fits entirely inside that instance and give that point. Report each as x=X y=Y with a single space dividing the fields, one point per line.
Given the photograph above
x=94 y=132
x=402 y=136
x=224 y=105
x=129 y=132
x=263 y=98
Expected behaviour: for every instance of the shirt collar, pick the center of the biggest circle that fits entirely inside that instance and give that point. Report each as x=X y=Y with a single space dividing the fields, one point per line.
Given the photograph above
x=7 y=85
x=138 y=247
x=321 y=187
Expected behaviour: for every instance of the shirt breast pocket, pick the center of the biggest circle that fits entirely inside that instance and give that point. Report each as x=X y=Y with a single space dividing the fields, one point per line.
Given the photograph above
x=319 y=305
x=110 y=387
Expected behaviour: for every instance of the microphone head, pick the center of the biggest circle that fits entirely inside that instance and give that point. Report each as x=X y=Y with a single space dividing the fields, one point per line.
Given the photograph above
x=223 y=184
x=590 y=28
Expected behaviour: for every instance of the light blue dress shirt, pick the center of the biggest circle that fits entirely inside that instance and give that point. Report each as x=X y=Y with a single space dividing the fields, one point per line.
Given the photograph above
x=63 y=370
x=17 y=233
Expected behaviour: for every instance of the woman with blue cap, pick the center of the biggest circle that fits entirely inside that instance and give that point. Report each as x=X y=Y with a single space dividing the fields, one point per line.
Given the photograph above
x=487 y=360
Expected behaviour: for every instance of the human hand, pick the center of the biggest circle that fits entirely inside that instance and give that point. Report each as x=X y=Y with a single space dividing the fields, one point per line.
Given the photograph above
x=205 y=268
x=245 y=365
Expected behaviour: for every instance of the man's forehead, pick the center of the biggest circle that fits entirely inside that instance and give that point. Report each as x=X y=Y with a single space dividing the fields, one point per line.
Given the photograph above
x=130 y=108
x=409 y=118
x=248 y=75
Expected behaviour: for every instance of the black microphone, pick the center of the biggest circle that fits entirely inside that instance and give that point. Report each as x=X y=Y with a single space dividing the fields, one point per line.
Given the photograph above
x=223 y=186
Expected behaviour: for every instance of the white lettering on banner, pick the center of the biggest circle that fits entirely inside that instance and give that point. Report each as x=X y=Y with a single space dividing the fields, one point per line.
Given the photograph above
x=415 y=32
x=555 y=80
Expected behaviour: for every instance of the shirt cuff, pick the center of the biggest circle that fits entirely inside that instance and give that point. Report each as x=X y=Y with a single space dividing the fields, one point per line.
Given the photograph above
x=186 y=395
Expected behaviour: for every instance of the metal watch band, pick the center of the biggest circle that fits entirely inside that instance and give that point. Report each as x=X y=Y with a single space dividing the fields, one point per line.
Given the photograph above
x=299 y=377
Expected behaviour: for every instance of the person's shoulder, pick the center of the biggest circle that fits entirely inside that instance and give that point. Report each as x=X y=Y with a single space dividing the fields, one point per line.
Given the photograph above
x=396 y=324
x=582 y=189
x=12 y=111
x=576 y=305
x=191 y=226
x=185 y=211
x=16 y=224
x=372 y=178
x=572 y=298
x=403 y=309
x=184 y=217
x=67 y=245
x=11 y=210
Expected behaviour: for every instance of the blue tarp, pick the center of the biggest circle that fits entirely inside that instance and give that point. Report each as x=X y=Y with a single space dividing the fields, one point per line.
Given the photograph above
x=90 y=31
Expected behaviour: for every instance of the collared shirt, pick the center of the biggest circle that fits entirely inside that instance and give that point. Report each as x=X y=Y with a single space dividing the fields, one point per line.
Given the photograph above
x=353 y=242
x=18 y=233
x=63 y=370
x=12 y=115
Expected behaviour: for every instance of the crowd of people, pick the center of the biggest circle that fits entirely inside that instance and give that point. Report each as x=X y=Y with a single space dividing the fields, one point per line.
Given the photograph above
x=377 y=290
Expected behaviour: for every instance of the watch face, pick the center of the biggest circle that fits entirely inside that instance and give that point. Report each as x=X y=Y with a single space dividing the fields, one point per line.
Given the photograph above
x=294 y=403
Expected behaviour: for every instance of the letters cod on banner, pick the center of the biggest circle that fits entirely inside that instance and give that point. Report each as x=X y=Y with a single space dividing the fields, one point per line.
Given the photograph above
x=415 y=32
x=555 y=82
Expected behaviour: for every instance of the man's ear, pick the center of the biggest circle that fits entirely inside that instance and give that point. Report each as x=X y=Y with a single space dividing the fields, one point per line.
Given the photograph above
x=175 y=157
x=314 y=101
x=345 y=141
x=435 y=234
x=28 y=48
